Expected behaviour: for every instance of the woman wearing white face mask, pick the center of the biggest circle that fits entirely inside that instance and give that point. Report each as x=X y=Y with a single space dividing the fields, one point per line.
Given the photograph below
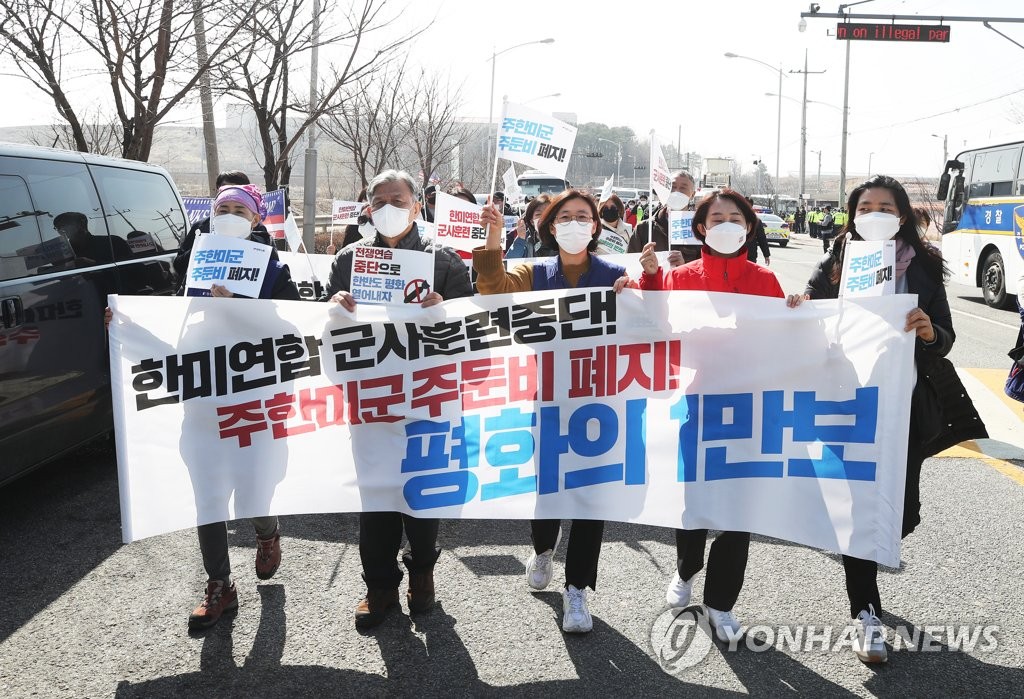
x=570 y=224
x=725 y=223
x=881 y=211
x=526 y=242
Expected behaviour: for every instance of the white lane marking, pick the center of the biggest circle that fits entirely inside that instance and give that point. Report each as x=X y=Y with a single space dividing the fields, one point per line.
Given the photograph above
x=987 y=320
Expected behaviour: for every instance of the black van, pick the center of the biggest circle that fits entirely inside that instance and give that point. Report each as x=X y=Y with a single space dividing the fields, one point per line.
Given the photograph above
x=73 y=228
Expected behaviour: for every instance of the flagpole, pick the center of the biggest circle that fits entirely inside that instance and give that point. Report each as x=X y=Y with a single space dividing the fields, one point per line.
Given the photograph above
x=650 y=191
x=497 y=137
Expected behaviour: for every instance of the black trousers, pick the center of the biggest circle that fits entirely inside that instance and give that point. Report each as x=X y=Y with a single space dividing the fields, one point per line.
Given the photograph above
x=380 y=538
x=727 y=564
x=582 y=553
x=861 y=574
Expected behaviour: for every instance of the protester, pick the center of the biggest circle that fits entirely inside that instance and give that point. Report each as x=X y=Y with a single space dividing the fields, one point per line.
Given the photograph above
x=362 y=228
x=799 y=219
x=656 y=229
x=184 y=254
x=429 y=201
x=925 y=228
x=630 y=214
x=725 y=223
x=760 y=240
x=826 y=227
x=941 y=411
x=527 y=241
x=238 y=211
x=569 y=225
x=640 y=211
x=394 y=212
x=612 y=210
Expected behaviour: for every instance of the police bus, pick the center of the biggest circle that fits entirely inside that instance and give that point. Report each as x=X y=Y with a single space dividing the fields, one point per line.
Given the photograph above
x=983 y=191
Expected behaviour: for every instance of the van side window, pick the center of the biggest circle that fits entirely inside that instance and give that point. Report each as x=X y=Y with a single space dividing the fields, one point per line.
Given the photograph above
x=20 y=242
x=143 y=213
x=66 y=212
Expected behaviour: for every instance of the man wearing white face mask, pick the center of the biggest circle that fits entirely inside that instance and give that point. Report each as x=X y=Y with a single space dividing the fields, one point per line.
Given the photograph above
x=655 y=229
x=571 y=225
x=394 y=211
x=725 y=223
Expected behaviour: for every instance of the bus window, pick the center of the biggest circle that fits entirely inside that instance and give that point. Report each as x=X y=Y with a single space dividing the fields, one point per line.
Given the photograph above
x=994 y=173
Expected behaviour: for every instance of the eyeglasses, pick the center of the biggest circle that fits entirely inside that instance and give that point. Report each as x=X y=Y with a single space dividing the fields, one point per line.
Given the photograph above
x=579 y=218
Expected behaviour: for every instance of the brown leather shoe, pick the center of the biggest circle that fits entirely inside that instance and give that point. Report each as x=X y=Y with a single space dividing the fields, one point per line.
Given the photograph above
x=421 y=591
x=374 y=607
x=268 y=555
x=219 y=601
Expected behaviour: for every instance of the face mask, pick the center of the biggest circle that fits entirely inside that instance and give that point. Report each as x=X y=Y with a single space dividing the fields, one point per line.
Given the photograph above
x=726 y=238
x=643 y=202
x=877 y=226
x=391 y=221
x=610 y=214
x=367 y=230
x=231 y=225
x=677 y=201
x=573 y=236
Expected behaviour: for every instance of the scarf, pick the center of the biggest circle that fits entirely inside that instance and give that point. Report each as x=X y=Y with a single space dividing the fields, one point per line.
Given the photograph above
x=904 y=254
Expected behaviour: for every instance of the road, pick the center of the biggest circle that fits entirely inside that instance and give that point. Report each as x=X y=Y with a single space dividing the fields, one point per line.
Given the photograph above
x=83 y=615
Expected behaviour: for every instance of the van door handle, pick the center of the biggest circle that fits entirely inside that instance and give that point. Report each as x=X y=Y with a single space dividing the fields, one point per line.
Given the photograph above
x=12 y=312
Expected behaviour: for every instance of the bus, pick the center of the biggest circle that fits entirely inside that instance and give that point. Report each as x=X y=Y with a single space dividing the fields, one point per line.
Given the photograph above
x=534 y=183
x=983 y=218
x=787 y=205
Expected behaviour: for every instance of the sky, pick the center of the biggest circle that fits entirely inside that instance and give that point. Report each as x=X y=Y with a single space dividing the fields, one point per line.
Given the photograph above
x=661 y=65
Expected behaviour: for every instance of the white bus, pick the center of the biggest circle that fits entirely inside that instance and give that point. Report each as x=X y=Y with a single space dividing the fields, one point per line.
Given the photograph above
x=983 y=191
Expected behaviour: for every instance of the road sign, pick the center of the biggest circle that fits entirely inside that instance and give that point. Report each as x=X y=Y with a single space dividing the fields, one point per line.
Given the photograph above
x=910 y=33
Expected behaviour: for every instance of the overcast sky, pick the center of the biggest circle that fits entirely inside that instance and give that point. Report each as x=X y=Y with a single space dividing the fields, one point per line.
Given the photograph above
x=661 y=65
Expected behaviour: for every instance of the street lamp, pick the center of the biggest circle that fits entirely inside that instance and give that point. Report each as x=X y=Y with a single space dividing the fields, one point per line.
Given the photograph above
x=846 y=108
x=870 y=156
x=490 y=106
x=618 y=155
x=945 y=147
x=543 y=97
x=778 y=119
x=632 y=167
x=803 y=126
x=817 y=188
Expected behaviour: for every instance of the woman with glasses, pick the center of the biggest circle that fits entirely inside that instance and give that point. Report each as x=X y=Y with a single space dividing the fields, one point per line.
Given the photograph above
x=570 y=224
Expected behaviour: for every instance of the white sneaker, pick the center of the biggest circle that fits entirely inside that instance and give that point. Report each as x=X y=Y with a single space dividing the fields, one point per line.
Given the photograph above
x=575 y=615
x=870 y=642
x=677 y=594
x=725 y=624
x=539 y=569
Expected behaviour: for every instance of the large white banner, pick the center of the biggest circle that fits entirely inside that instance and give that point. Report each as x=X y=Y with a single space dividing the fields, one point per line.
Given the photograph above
x=630 y=261
x=568 y=404
x=309 y=272
x=535 y=139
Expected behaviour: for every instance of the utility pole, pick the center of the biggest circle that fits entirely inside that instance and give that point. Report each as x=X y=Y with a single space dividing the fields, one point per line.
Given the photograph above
x=206 y=98
x=309 y=173
x=803 y=125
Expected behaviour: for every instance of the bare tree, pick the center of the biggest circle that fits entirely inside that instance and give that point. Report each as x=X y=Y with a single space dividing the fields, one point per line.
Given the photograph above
x=100 y=135
x=277 y=36
x=370 y=123
x=434 y=130
x=144 y=49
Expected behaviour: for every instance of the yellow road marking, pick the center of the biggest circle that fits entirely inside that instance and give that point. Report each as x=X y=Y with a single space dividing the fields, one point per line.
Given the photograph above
x=995 y=380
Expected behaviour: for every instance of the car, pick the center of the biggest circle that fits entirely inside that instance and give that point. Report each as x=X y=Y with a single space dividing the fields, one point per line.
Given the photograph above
x=775 y=229
x=73 y=228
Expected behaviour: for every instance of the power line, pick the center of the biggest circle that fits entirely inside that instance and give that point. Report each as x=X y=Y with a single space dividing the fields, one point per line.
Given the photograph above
x=948 y=111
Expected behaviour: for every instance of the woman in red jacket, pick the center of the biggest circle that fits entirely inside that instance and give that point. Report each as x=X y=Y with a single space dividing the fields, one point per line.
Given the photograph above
x=726 y=224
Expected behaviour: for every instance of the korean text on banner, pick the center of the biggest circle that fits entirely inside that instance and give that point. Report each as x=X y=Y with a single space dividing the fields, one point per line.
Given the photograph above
x=611 y=242
x=197 y=208
x=680 y=228
x=309 y=272
x=660 y=175
x=458 y=223
x=274 y=222
x=345 y=213
x=535 y=139
x=630 y=261
x=391 y=275
x=234 y=263
x=577 y=403
x=869 y=268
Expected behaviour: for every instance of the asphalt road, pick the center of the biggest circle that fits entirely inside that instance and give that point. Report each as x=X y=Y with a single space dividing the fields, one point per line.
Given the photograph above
x=82 y=615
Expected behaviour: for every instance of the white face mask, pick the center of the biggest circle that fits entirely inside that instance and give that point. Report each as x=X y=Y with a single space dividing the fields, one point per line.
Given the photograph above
x=367 y=230
x=876 y=225
x=573 y=236
x=726 y=238
x=677 y=201
x=231 y=225
x=391 y=221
